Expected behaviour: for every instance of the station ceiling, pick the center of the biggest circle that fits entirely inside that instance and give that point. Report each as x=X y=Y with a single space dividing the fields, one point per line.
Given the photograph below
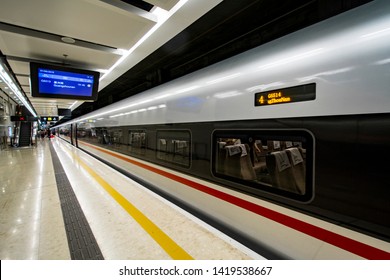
x=96 y=34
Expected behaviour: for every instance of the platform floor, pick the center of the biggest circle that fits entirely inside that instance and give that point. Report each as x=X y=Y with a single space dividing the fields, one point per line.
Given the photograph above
x=87 y=210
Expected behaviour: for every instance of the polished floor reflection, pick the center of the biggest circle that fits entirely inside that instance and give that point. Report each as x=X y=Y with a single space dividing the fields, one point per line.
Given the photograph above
x=31 y=223
x=127 y=220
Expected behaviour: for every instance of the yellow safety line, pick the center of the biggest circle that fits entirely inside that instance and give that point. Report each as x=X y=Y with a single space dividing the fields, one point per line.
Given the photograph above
x=166 y=243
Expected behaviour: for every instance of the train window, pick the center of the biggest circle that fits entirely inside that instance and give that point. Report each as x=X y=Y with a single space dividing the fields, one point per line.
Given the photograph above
x=137 y=142
x=116 y=137
x=174 y=146
x=275 y=161
x=65 y=132
x=85 y=131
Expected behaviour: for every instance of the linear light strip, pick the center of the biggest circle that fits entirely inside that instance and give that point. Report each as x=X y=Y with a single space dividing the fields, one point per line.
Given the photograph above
x=6 y=77
x=162 y=16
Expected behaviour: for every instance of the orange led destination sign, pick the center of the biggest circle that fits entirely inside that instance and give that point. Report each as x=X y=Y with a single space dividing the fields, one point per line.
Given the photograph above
x=286 y=95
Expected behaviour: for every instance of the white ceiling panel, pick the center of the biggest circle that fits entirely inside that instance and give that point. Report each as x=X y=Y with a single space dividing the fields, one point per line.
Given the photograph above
x=38 y=49
x=103 y=30
x=164 y=4
x=20 y=67
x=82 y=20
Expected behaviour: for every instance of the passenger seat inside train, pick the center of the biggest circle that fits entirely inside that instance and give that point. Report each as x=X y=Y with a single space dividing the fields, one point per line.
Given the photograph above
x=272 y=163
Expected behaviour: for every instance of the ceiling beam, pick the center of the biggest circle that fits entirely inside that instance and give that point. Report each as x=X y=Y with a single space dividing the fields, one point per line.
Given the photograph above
x=62 y=63
x=131 y=9
x=7 y=27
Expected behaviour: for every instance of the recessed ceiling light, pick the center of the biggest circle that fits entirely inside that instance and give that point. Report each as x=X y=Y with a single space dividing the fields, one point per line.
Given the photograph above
x=68 y=40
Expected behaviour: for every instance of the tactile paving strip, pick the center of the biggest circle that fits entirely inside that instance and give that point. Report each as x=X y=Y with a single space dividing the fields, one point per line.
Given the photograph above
x=82 y=242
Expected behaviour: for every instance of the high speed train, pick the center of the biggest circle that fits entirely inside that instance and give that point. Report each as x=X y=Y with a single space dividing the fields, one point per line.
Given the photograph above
x=285 y=147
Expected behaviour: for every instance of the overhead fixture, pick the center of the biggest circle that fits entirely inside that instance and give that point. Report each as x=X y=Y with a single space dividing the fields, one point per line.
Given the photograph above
x=68 y=40
x=7 y=78
x=162 y=17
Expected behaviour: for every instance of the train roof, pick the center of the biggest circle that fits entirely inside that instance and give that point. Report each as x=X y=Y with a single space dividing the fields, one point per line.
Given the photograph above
x=346 y=57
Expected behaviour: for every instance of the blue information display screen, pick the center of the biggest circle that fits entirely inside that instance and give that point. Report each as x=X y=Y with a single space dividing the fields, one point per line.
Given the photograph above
x=58 y=82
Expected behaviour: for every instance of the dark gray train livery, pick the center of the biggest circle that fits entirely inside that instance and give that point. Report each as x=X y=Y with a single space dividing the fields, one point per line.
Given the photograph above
x=286 y=147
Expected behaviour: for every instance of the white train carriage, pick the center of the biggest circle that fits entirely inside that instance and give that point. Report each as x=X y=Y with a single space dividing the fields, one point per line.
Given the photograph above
x=286 y=147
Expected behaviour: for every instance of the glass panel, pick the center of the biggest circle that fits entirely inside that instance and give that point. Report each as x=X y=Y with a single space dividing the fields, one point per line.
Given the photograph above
x=65 y=132
x=137 y=142
x=267 y=160
x=174 y=147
